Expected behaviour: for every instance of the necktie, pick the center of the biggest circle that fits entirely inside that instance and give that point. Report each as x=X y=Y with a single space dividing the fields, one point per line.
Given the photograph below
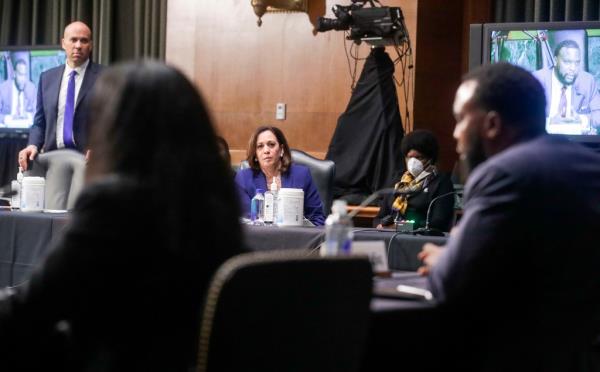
x=69 y=110
x=562 y=104
x=20 y=105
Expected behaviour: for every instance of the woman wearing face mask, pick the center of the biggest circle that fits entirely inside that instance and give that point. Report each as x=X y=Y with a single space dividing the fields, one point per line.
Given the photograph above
x=422 y=183
x=270 y=160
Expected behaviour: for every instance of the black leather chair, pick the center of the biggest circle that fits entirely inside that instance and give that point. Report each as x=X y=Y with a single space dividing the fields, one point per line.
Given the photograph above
x=322 y=172
x=64 y=172
x=286 y=311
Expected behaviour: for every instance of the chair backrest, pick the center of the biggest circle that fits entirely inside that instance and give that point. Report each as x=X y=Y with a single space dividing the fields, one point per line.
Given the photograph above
x=64 y=172
x=286 y=311
x=322 y=172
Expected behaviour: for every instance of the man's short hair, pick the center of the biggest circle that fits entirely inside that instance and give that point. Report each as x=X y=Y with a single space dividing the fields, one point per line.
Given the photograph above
x=19 y=61
x=514 y=93
x=568 y=43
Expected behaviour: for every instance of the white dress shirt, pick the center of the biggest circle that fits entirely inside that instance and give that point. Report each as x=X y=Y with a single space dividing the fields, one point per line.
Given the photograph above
x=62 y=99
x=556 y=92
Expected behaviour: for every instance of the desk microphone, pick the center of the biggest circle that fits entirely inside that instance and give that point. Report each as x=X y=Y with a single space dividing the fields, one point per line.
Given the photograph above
x=430 y=231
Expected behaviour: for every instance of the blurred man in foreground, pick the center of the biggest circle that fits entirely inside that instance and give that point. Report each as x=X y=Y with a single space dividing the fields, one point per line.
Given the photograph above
x=518 y=277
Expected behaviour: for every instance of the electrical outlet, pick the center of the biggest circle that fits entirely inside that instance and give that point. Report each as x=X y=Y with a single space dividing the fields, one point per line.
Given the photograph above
x=280 y=111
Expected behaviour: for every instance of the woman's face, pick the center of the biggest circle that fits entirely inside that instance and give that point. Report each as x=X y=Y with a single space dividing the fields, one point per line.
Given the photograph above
x=417 y=155
x=268 y=150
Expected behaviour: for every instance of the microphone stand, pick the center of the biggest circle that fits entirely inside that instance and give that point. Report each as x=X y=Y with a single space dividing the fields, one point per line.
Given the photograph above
x=427 y=231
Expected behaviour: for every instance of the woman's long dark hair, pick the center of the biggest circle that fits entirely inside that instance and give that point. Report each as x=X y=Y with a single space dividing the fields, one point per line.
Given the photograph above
x=150 y=124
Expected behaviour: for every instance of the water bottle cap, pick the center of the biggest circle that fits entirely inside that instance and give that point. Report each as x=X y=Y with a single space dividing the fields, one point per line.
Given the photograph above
x=339 y=206
x=259 y=191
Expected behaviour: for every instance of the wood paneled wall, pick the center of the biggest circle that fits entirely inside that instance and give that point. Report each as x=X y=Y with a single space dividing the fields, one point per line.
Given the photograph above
x=243 y=70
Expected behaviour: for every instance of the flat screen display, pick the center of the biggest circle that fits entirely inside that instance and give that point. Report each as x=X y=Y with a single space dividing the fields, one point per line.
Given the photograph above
x=565 y=58
x=20 y=70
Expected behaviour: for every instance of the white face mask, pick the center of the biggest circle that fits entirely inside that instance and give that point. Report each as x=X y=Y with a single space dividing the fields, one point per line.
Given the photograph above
x=415 y=166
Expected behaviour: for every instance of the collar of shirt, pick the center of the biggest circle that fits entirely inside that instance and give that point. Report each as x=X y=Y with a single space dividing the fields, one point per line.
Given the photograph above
x=80 y=69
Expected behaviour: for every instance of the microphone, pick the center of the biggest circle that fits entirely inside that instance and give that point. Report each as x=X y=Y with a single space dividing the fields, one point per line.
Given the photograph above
x=430 y=231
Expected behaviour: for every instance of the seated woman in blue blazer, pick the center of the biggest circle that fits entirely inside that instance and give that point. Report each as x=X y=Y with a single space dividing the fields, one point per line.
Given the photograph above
x=270 y=159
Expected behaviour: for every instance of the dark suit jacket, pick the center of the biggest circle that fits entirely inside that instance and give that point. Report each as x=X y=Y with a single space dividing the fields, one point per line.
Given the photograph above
x=585 y=99
x=43 y=131
x=132 y=302
x=520 y=275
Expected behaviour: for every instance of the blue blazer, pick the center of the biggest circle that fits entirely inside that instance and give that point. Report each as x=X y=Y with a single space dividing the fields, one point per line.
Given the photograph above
x=298 y=177
x=43 y=131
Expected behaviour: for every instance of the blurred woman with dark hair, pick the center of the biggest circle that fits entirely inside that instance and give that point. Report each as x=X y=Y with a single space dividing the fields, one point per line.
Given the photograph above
x=421 y=183
x=146 y=234
x=269 y=158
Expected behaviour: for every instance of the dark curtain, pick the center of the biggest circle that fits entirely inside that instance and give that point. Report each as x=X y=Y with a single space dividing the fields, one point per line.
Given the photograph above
x=122 y=30
x=546 y=10
x=366 y=143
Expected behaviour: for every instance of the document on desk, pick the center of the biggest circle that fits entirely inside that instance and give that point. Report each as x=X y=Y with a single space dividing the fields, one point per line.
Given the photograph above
x=402 y=291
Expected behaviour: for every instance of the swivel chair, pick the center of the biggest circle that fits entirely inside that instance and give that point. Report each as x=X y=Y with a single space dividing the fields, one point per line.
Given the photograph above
x=322 y=172
x=286 y=311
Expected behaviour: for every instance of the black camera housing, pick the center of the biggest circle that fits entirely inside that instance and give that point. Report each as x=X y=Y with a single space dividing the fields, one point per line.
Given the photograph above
x=378 y=26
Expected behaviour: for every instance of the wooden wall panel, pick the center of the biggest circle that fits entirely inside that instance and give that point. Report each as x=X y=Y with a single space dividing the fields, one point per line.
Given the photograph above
x=244 y=70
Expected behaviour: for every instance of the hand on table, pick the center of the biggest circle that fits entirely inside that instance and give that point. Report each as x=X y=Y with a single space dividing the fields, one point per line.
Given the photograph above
x=429 y=255
x=27 y=154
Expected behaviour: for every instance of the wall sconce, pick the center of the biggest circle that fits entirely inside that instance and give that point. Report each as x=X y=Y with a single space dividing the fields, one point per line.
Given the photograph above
x=263 y=6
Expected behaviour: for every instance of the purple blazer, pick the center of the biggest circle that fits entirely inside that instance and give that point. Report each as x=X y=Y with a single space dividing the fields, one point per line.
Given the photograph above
x=297 y=177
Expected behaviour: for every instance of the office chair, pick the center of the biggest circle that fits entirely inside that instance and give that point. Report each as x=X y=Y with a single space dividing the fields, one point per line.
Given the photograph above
x=286 y=311
x=322 y=172
x=64 y=172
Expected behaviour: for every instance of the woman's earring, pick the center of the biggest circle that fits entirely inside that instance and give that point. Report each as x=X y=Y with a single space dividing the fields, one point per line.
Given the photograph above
x=281 y=155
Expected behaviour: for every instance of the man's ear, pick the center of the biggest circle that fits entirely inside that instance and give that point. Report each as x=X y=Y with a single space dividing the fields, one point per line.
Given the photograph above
x=492 y=126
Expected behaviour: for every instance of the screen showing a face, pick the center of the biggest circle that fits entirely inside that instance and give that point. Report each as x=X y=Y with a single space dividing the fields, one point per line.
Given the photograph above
x=20 y=72
x=567 y=64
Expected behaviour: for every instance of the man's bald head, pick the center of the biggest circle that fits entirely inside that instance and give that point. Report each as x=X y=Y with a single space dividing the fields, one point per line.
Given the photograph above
x=77 y=43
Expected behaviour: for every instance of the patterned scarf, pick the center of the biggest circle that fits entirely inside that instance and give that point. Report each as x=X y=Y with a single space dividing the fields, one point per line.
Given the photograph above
x=410 y=184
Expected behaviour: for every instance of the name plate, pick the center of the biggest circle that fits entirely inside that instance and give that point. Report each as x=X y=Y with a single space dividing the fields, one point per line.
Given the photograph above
x=375 y=250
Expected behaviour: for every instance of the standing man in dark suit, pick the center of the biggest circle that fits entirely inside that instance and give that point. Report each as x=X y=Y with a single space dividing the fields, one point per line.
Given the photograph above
x=519 y=277
x=63 y=93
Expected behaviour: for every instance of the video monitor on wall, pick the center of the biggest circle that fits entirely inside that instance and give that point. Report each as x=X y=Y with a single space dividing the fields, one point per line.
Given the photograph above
x=20 y=70
x=565 y=58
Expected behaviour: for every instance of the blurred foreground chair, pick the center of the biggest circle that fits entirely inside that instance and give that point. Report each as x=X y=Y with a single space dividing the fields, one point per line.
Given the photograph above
x=322 y=172
x=286 y=311
x=64 y=172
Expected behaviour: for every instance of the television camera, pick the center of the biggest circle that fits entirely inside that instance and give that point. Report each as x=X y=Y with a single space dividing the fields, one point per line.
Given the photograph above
x=378 y=26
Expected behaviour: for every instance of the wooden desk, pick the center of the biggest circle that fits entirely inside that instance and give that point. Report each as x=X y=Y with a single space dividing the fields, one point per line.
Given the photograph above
x=364 y=218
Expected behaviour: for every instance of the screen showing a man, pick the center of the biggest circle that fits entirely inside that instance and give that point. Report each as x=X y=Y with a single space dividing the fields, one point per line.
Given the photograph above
x=17 y=98
x=572 y=96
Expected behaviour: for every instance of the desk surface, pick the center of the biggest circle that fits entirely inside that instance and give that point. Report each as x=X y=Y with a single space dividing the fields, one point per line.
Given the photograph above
x=25 y=237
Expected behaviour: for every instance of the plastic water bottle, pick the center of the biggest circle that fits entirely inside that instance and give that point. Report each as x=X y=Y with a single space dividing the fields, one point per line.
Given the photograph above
x=16 y=187
x=271 y=204
x=257 y=207
x=268 y=215
x=338 y=231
